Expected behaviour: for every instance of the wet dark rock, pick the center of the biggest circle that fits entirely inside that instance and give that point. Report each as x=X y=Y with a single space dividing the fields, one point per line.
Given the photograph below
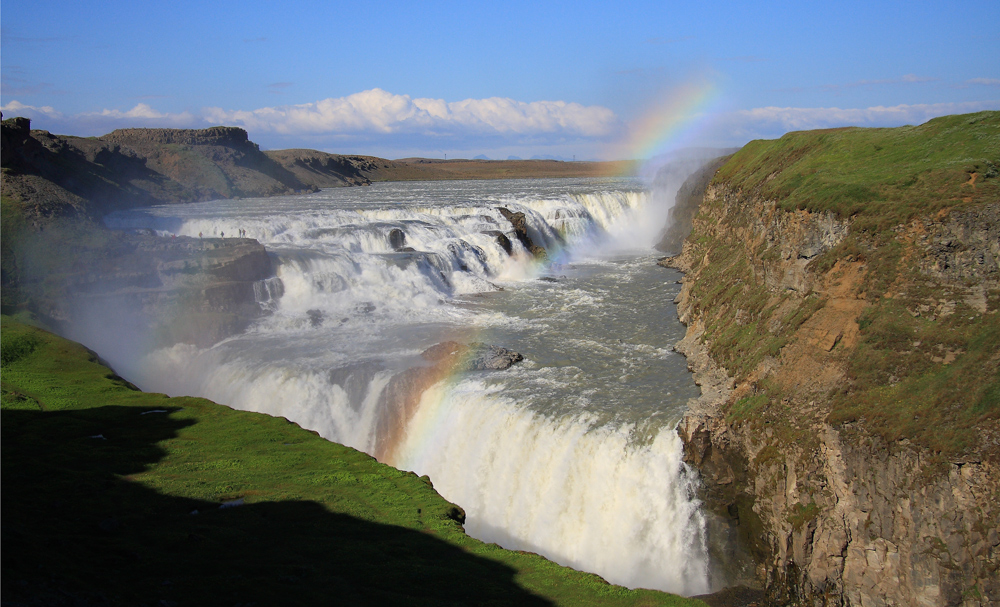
x=475 y=356
x=520 y=223
x=365 y=307
x=397 y=238
x=502 y=240
x=315 y=318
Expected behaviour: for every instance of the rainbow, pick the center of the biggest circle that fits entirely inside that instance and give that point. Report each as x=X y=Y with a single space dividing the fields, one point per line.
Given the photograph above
x=422 y=387
x=672 y=120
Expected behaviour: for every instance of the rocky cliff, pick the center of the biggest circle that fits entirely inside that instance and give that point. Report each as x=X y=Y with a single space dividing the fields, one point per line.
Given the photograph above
x=217 y=162
x=60 y=263
x=54 y=175
x=849 y=427
x=123 y=290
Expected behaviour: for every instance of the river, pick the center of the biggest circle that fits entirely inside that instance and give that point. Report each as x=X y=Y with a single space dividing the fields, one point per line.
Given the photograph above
x=571 y=453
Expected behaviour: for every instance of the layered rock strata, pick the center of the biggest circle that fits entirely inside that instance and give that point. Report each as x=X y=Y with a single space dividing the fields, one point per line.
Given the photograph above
x=145 y=291
x=834 y=513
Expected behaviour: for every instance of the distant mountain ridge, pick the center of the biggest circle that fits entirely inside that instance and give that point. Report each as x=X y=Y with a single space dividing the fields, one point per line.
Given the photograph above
x=57 y=175
x=54 y=175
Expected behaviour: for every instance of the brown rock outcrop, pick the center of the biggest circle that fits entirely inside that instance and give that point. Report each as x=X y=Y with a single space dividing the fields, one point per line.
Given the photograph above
x=833 y=512
x=520 y=224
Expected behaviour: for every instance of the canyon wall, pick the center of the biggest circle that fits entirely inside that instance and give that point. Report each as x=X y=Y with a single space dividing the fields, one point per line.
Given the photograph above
x=837 y=505
x=128 y=291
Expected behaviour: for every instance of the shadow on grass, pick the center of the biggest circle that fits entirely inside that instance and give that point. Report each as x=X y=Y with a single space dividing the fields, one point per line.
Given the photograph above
x=78 y=531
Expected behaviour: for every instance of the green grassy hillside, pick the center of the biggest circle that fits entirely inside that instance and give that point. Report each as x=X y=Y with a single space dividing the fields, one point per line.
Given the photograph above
x=900 y=328
x=882 y=177
x=112 y=496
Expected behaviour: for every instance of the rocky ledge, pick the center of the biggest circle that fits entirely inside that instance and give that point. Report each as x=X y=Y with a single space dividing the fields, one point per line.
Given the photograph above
x=153 y=291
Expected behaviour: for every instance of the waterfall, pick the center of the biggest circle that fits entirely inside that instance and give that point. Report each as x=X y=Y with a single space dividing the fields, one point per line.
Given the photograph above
x=572 y=454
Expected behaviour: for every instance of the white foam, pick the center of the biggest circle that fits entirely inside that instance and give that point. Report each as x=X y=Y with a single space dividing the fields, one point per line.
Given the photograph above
x=587 y=497
x=566 y=478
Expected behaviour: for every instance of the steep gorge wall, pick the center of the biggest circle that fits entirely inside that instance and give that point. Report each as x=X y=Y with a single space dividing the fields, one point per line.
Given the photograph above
x=128 y=291
x=835 y=512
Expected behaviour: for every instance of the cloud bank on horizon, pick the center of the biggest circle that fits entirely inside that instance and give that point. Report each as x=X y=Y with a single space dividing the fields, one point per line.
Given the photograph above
x=588 y=79
x=382 y=119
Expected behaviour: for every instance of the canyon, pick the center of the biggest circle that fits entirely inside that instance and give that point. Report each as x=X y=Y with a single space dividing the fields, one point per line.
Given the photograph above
x=841 y=322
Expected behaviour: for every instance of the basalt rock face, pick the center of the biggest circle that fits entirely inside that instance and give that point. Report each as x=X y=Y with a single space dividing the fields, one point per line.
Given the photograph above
x=224 y=136
x=520 y=224
x=144 y=291
x=964 y=247
x=833 y=512
x=218 y=162
x=14 y=134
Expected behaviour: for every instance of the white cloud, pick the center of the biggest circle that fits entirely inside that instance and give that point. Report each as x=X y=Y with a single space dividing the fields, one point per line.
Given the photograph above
x=143 y=111
x=915 y=78
x=376 y=122
x=377 y=111
x=986 y=81
x=99 y=123
x=775 y=121
x=29 y=111
x=380 y=123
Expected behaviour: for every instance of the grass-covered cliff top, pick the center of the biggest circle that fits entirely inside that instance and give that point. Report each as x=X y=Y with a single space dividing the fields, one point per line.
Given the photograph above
x=112 y=496
x=893 y=325
x=882 y=177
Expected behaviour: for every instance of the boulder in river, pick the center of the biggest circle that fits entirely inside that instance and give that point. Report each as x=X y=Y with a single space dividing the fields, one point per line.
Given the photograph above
x=502 y=240
x=475 y=356
x=397 y=238
x=520 y=224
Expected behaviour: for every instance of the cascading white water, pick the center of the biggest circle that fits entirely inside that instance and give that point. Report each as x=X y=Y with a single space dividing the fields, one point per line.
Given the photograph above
x=584 y=494
x=571 y=454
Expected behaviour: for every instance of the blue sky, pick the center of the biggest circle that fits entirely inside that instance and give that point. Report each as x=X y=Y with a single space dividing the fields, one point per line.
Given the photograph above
x=566 y=79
